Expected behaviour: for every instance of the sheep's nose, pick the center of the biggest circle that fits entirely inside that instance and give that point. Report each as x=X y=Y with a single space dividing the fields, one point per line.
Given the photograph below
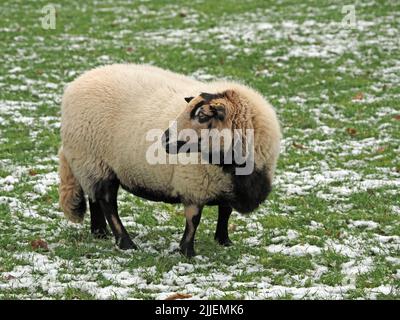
x=165 y=138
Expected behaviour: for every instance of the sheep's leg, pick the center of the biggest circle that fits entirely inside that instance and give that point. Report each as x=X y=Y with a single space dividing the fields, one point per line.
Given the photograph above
x=221 y=234
x=98 y=223
x=107 y=198
x=193 y=215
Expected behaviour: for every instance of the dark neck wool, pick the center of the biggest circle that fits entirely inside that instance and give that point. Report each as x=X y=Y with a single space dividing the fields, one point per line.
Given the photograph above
x=249 y=190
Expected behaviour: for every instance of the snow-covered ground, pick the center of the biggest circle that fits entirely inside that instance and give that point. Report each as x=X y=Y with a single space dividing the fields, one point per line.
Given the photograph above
x=331 y=227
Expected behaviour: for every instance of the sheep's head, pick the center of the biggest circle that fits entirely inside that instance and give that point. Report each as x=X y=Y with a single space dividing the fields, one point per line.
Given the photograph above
x=209 y=120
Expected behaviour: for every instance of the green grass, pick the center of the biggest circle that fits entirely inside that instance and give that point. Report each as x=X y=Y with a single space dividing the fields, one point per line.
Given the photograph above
x=339 y=163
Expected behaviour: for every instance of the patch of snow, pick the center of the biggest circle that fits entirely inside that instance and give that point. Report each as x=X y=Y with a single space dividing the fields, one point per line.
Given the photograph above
x=363 y=224
x=354 y=268
x=296 y=250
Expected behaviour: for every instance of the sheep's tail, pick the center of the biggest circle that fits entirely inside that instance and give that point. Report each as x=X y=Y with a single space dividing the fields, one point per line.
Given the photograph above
x=72 y=199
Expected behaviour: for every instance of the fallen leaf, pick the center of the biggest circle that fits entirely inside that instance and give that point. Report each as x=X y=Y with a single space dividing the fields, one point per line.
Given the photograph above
x=358 y=96
x=39 y=243
x=176 y=296
x=32 y=172
x=351 y=131
x=397 y=117
x=130 y=49
x=298 y=145
x=381 y=149
x=9 y=277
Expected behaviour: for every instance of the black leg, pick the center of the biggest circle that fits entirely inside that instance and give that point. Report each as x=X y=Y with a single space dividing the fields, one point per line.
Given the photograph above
x=193 y=215
x=106 y=196
x=221 y=234
x=98 y=224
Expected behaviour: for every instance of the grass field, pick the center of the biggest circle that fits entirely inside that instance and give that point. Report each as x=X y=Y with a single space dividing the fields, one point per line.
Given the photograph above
x=331 y=227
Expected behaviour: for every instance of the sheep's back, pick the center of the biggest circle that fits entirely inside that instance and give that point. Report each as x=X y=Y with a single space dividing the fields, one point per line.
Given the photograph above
x=107 y=112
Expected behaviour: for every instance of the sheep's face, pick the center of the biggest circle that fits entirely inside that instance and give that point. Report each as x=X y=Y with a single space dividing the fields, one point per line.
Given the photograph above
x=205 y=117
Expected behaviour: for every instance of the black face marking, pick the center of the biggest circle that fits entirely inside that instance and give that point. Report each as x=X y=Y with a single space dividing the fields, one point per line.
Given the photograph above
x=193 y=112
x=211 y=96
x=218 y=111
x=171 y=147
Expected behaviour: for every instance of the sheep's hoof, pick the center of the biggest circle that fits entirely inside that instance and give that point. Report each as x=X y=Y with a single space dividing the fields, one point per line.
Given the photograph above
x=187 y=251
x=226 y=242
x=126 y=244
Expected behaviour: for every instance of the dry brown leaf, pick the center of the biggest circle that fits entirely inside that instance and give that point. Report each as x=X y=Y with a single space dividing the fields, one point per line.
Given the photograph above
x=397 y=117
x=298 y=145
x=39 y=243
x=176 y=296
x=358 y=96
x=32 y=172
x=130 y=49
x=232 y=227
x=351 y=131
x=9 y=277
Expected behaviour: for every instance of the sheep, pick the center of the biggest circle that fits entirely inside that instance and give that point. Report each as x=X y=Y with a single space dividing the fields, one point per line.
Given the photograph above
x=105 y=114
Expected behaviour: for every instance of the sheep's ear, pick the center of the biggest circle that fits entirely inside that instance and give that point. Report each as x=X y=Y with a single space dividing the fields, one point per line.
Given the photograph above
x=188 y=99
x=219 y=112
x=232 y=96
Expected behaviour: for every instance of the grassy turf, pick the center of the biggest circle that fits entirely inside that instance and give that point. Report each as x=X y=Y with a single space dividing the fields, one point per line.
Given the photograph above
x=331 y=227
